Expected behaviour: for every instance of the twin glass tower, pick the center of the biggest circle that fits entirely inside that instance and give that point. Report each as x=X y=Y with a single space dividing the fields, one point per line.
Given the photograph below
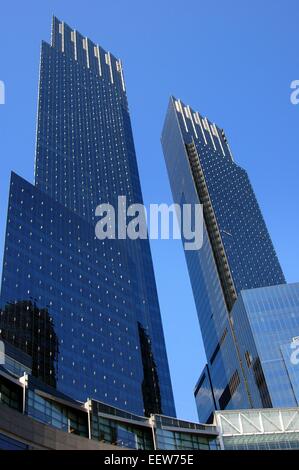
x=84 y=311
x=249 y=316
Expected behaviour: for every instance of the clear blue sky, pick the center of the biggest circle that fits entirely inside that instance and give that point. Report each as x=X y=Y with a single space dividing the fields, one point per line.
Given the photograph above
x=232 y=60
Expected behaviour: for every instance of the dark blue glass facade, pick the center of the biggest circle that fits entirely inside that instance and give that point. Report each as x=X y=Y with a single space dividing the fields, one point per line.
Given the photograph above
x=237 y=251
x=85 y=310
x=85 y=152
x=266 y=322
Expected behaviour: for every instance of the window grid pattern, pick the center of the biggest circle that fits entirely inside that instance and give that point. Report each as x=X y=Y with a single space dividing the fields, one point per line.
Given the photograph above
x=85 y=310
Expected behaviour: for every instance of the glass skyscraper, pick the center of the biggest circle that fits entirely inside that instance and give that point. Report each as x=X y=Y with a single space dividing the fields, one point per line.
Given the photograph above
x=267 y=327
x=237 y=260
x=85 y=310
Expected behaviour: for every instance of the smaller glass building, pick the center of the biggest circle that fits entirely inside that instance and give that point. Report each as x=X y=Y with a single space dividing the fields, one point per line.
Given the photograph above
x=266 y=327
x=175 y=434
x=266 y=323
